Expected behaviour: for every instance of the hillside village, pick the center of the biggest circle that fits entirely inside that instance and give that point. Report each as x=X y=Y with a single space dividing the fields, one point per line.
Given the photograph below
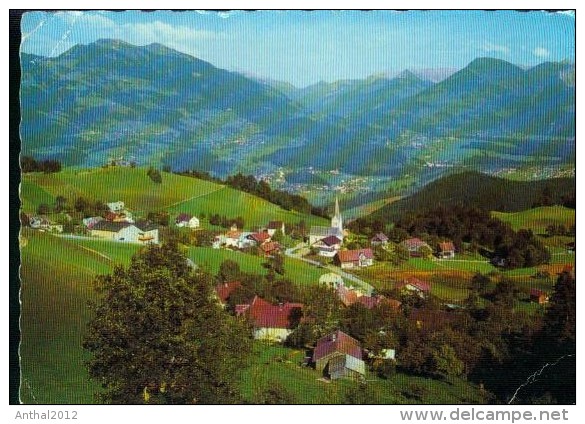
x=370 y=281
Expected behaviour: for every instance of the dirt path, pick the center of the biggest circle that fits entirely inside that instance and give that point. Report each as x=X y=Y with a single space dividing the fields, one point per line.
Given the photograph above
x=193 y=197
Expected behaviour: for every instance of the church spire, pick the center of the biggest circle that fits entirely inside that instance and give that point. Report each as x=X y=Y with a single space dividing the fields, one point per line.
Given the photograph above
x=336 y=221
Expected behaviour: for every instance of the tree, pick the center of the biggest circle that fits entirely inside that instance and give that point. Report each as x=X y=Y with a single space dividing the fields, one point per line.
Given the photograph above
x=158 y=336
x=278 y=236
x=228 y=271
x=154 y=175
x=43 y=209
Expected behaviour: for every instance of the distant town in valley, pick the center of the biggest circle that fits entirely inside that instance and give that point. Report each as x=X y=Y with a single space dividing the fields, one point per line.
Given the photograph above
x=194 y=234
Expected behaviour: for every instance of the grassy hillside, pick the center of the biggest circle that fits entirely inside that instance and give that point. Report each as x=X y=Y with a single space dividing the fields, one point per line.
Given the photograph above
x=538 y=219
x=176 y=194
x=56 y=278
x=480 y=190
x=276 y=365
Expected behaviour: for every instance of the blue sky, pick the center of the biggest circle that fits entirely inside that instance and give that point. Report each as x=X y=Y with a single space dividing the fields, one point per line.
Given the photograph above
x=307 y=47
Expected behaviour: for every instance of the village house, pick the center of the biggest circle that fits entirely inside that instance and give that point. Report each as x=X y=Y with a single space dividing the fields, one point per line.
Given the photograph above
x=379 y=239
x=142 y=232
x=347 y=295
x=232 y=237
x=45 y=224
x=414 y=286
x=338 y=355
x=415 y=247
x=331 y=280
x=91 y=221
x=354 y=258
x=115 y=206
x=328 y=246
x=259 y=238
x=270 y=248
x=117 y=212
x=538 y=296
x=273 y=226
x=271 y=322
x=446 y=250
x=186 y=220
x=223 y=291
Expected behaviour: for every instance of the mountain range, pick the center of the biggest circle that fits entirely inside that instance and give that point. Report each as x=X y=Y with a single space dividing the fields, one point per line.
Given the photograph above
x=156 y=106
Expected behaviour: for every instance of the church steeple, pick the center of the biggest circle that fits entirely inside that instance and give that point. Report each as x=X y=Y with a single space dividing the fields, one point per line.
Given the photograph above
x=337 y=221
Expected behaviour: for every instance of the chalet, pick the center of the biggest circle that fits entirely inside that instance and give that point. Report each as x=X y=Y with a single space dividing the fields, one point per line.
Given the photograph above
x=259 y=238
x=90 y=222
x=142 y=232
x=354 y=258
x=116 y=206
x=338 y=355
x=415 y=286
x=347 y=295
x=538 y=296
x=273 y=226
x=270 y=248
x=446 y=250
x=271 y=322
x=414 y=246
x=186 y=220
x=148 y=232
x=331 y=280
x=379 y=239
x=328 y=246
x=44 y=223
x=232 y=237
x=224 y=290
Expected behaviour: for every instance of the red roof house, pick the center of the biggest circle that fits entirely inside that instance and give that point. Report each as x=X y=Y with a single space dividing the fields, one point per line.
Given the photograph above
x=354 y=258
x=413 y=245
x=270 y=248
x=338 y=355
x=347 y=295
x=446 y=250
x=224 y=290
x=271 y=322
x=414 y=285
x=259 y=237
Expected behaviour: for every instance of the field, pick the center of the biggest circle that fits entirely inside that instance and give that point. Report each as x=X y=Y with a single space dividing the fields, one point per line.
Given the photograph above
x=538 y=219
x=175 y=194
x=56 y=280
x=279 y=366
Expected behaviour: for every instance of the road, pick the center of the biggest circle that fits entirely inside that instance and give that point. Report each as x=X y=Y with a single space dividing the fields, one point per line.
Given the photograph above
x=365 y=287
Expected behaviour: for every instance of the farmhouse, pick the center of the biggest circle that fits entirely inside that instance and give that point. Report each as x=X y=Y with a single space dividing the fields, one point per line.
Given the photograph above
x=271 y=322
x=379 y=239
x=347 y=295
x=415 y=286
x=224 y=290
x=259 y=238
x=44 y=223
x=415 y=246
x=354 y=258
x=338 y=355
x=446 y=250
x=115 y=206
x=270 y=248
x=141 y=232
x=328 y=246
x=186 y=220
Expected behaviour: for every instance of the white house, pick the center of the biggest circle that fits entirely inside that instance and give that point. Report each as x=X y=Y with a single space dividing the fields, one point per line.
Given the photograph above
x=186 y=220
x=116 y=206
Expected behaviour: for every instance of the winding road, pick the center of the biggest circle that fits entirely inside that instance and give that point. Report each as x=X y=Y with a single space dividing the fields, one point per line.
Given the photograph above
x=365 y=287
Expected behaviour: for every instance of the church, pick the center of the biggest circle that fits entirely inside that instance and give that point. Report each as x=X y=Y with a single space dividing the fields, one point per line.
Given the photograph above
x=318 y=233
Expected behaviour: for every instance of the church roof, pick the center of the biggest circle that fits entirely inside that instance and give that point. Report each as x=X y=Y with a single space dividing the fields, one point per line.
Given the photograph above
x=318 y=231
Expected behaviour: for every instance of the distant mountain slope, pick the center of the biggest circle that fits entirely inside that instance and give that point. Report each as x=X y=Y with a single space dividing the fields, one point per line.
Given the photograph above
x=110 y=99
x=175 y=194
x=483 y=191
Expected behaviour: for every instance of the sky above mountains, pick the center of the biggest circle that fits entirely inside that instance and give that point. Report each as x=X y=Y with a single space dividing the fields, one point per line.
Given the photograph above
x=303 y=48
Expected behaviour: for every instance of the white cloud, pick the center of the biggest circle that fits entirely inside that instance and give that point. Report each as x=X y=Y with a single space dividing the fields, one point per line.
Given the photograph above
x=541 y=52
x=491 y=47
